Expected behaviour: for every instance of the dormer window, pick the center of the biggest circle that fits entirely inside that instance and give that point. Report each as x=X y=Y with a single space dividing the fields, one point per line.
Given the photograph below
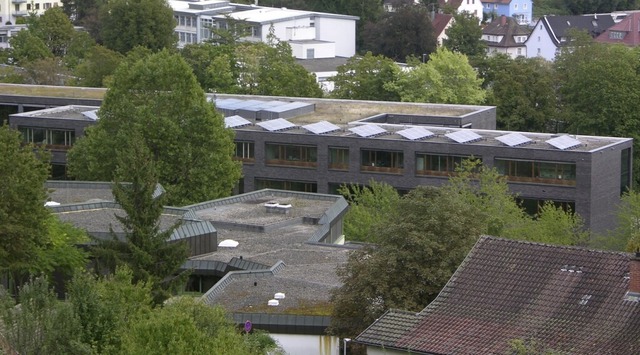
x=616 y=35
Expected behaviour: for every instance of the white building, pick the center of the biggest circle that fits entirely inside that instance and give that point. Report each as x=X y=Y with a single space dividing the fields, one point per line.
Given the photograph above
x=311 y=34
x=10 y=10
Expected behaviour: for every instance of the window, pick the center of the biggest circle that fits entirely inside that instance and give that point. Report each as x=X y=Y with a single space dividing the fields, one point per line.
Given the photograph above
x=519 y=51
x=515 y=6
x=625 y=170
x=538 y=38
x=256 y=31
x=438 y=165
x=291 y=155
x=47 y=5
x=495 y=6
x=311 y=53
x=206 y=24
x=28 y=7
x=288 y=185
x=339 y=158
x=52 y=138
x=382 y=161
x=524 y=6
x=539 y=52
x=245 y=152
x=616 y=35
x=540 y=26
x=538 y=172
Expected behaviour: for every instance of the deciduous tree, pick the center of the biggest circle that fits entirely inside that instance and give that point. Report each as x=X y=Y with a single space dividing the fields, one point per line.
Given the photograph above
x=400 y=34
x=465 y=36
x=523 y=91
x=126 y=24
x=160 y=97
x=421 y=244
x=368 y=206
x=364 y=78
x=97 y=67
x=446 y=78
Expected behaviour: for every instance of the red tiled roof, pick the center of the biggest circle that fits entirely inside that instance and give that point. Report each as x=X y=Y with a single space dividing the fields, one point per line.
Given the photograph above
x=630 y=26
x=440 y=22
x=564 y=298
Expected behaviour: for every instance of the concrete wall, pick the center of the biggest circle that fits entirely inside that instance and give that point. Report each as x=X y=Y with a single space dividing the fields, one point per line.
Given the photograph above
x=321 y=49
x=341 y=32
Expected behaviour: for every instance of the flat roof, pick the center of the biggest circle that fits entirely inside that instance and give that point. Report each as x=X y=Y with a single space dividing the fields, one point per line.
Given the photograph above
x=305 y=271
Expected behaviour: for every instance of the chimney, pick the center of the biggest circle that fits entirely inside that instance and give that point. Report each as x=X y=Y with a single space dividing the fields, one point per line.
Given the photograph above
x=503 y=20
x=633 y=293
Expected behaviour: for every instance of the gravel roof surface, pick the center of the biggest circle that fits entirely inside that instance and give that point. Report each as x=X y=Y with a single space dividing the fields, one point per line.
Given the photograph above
x=100 y=220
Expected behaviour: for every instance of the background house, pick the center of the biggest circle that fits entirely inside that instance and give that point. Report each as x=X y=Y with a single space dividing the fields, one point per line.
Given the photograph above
x=551 y=298
x=11 y=10
x=521 y=10
x=505 y=35
x=626 y=31
x=551 y=32
x=473 y=7
x=310 y=34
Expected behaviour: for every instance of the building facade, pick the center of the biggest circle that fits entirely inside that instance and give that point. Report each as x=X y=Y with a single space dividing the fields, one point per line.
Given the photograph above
x=12 y=10
x=310 y=34
x=316 y=145
x=521 y=10
x=506 y=36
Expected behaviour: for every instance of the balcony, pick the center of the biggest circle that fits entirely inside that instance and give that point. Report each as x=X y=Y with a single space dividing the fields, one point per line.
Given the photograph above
x=20 y=13
x=18 y=1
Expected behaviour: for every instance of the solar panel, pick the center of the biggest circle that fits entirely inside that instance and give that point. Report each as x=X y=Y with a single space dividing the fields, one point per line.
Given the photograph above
x=513 y=139
x=278 y=124
x=564 y=142
x=464 y=136
x=92 y=115
x=235 y=122
x=321 y=127
x=415 y=133
x=368 y=130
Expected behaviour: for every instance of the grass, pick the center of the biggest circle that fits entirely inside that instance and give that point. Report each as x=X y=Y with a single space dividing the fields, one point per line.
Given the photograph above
x=52 y=91
x=304 y=308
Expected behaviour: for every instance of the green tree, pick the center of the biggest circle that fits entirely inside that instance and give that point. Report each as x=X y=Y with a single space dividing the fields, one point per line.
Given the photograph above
x=55 y=29
x=81 y=44
x=487 y=192
x=40 y=324
x=105 y=307
x=159 y=97
x=402 y=33
x=23 y=216
x=27 y=47
x=599 y=91
x=552 y=225
x=126 y=24
x=446 y=78
x=97 y=67
x=577 y=7
x=185 y=326
x=145 y=249
x=422 y=243
x=627 y=234
x=45 y=71
x=368 y=206
x=364 y=78
x=280 y=75
x=523 y=91
x=465 y=36
x=213 y=66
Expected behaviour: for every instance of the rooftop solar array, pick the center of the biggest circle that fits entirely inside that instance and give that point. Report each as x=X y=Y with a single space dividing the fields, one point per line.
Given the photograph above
x=513 y=139
x=92 y=115
x=321 y=127
x=415 y=133
x=368 y=130
x=464 y=136
x=235 y=122
x=564 y=142
x=279 y=124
